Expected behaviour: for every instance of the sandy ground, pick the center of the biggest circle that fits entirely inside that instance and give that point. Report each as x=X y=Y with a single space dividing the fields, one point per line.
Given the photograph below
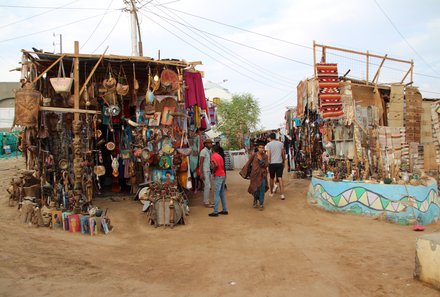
x=289 y=249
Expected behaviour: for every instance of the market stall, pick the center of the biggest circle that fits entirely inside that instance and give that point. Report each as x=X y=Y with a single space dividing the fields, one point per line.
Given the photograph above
x=361 y=141
x=103 y=124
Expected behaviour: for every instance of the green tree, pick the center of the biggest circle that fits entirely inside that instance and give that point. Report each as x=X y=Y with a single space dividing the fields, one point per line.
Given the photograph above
x=238 y=116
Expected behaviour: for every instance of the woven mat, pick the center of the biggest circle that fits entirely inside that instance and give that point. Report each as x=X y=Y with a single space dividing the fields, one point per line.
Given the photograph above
x=329 y=93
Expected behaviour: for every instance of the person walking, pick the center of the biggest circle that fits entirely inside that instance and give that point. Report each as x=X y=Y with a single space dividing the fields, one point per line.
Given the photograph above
x=277 y=158
x=219 y=182
x=205 y=170
x=258 y=176
x=221 y=152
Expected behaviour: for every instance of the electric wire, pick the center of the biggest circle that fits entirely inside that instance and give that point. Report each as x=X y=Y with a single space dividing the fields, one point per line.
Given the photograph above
x=403 y=37
x=225 y=57
x=109 y=33
x=36 y=15
x=51 y=29
x=245 y=45
x=212 y=57
x=278 y=103
x=97 y=25
x=242 y=29
x=290 y=42
x=226 y=49
x=60 y=8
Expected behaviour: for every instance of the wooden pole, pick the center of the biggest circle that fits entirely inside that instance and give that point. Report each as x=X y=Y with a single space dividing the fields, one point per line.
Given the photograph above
x=77 y=126
x=412 y=69
x=76 y=80
x=406 y=75
x=92 y=72
x=48 y=68
x=361 y=53
x=314 y=59
x=68 y=110
x=376 y=76
x=368 y=62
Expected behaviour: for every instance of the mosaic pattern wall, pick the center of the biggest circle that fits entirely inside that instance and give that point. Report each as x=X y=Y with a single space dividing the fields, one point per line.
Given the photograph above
x=395 y=201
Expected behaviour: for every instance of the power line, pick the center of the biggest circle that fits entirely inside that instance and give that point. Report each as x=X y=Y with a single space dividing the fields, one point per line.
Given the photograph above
x=242 y=29
x=111 y=31
x=278 y=103
x=39 y=14
x=97 y=25
x=403 y=37
x=228 y=51
x=210 y=56
x=244 y=45
x=51 y=29
x=289 y=42
x=60 y=8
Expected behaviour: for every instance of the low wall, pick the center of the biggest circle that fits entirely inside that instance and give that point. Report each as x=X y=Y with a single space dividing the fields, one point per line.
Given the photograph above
x=377 y=199
x=428 y=259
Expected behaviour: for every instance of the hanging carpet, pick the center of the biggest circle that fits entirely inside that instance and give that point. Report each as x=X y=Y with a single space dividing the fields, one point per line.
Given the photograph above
x=330 y=103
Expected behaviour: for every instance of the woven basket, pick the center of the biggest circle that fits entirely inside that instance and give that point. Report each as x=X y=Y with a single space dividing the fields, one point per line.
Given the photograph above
x=61 y=84
x=27 y=106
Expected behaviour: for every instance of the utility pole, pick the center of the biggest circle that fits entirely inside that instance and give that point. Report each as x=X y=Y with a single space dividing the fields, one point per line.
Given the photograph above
x=61 y=42
x=135 y=28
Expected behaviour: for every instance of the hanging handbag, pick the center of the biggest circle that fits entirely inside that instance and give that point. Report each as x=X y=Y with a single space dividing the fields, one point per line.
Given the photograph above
x=110 y=82
x=61 y=84
x=122 y=86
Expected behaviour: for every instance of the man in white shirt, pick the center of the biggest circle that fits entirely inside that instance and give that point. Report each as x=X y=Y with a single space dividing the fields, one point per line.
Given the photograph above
x=205 y=170
x=277 y=158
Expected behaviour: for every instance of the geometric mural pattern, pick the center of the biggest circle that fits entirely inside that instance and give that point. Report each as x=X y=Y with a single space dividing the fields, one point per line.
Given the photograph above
x=376 y=201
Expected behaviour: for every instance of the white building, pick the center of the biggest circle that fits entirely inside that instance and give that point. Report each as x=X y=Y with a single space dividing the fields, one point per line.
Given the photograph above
x=213 y=92
x=7 y=103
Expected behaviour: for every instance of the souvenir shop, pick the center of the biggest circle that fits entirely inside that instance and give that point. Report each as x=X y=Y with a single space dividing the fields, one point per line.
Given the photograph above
x=365 y=146
x=98 y=125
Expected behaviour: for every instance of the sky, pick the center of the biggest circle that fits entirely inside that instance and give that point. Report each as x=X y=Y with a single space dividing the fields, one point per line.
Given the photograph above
x=260 y=47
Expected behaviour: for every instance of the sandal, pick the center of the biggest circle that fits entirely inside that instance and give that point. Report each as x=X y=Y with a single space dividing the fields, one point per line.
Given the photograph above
x=208 y=205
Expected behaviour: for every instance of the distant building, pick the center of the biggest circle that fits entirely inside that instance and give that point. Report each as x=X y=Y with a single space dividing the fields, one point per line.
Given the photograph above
x=215 y=90
x=7 y=103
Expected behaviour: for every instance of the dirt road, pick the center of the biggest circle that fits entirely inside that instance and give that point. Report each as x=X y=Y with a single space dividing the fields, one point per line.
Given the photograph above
x=289 y=249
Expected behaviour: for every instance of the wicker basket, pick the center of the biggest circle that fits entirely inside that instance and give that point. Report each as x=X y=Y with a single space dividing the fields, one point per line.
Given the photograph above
x=27 y=106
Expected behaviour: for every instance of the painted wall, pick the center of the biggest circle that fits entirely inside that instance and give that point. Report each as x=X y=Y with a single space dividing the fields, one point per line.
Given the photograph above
x=377 y=199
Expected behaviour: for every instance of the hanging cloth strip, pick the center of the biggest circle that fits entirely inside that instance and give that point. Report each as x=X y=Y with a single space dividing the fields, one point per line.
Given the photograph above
x=194 y=91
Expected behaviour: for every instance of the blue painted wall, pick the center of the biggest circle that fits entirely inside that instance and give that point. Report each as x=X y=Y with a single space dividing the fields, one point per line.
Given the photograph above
x=397 y=202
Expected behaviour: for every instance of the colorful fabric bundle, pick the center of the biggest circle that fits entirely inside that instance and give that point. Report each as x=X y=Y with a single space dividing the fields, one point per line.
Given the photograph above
x=330 y=102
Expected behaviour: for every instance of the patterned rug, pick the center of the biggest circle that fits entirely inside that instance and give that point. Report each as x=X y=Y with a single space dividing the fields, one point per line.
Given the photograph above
x=330 y=102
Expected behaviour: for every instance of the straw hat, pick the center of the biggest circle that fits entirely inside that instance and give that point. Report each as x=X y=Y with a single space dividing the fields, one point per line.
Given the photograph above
x=208 y=140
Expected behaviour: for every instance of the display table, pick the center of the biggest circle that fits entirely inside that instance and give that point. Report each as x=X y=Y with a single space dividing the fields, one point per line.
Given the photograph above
x=377 y=199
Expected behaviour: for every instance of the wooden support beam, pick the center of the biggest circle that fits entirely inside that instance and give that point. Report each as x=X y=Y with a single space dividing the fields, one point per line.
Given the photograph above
x=77 y=168
x=361 y=53
x=125 y=58
x=376 y=76
x=76 y=80
x=92 y=72
x=68 y=110
x=368 y=64
x=48 y=68
x=406 y=75
x=314 y=59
